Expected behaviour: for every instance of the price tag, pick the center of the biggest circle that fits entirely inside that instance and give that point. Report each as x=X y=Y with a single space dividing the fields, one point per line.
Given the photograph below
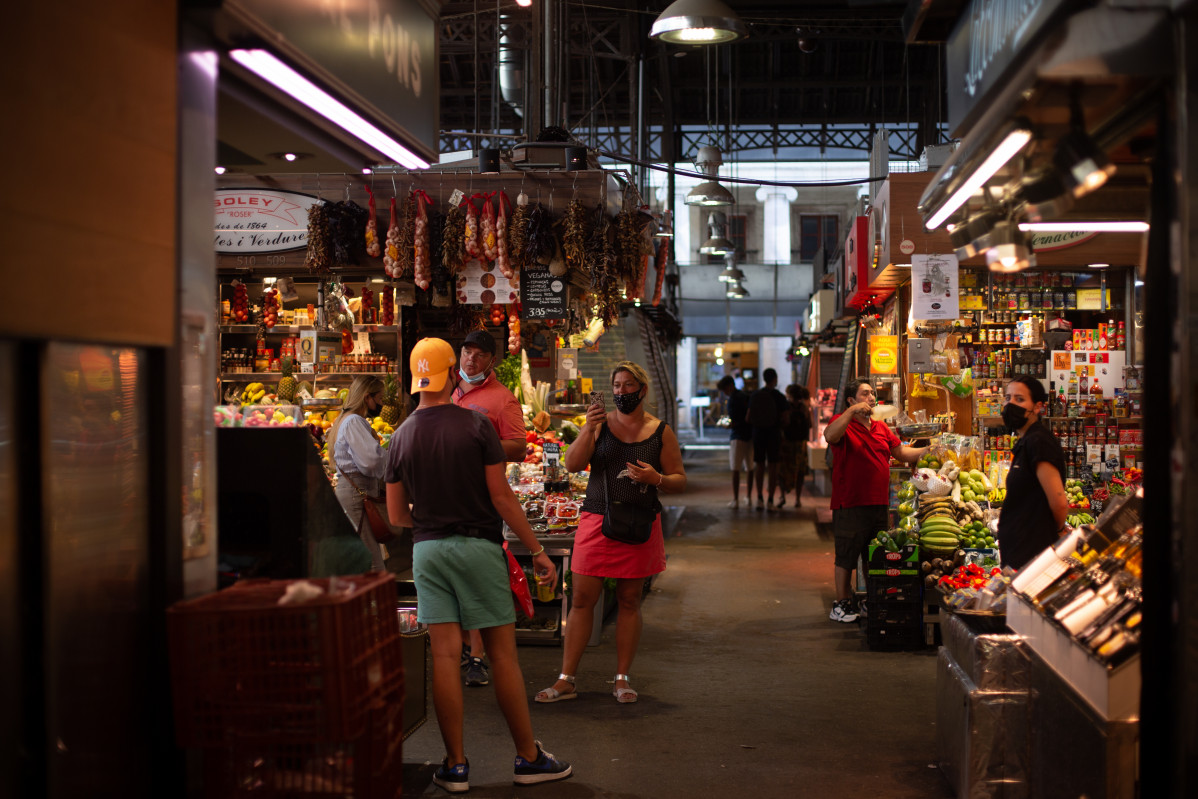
x=361 y=343
x=551 y=455
x=456 y=198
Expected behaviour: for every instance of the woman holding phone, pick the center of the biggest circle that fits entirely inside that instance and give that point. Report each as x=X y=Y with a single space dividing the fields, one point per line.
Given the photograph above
x=634 y=457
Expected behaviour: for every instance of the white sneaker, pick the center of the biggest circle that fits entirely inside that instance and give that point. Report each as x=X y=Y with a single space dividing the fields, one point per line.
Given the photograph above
x=843 y=611
x=734 y=504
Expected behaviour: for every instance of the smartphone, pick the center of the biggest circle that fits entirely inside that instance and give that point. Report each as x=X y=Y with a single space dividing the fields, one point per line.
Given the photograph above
x=597 y=398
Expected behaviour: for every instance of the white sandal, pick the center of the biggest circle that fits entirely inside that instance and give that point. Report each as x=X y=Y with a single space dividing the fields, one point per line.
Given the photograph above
x=625 y=696
x=551 y=694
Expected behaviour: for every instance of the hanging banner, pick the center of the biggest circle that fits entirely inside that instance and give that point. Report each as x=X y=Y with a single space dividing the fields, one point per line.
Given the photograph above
x=883 y=355
x=934 y=287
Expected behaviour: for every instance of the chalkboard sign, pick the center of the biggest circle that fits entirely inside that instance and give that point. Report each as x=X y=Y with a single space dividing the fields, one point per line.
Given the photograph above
x=542 y=295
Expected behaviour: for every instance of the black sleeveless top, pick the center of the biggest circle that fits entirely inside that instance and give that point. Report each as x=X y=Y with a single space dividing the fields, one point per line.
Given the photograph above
x=611 y=457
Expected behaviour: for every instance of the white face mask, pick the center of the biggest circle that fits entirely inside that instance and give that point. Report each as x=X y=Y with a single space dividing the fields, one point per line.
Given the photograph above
x=474 y=381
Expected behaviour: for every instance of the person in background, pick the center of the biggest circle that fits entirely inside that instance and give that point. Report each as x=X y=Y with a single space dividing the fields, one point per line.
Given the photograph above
x=445 y=480
x=740 y=443
x=479 y=390
x=359 y=458
x=767 y=414
x=637 y=458
x=738 y=379
x=792 y=457
x=1034 y=511
x=861 y=451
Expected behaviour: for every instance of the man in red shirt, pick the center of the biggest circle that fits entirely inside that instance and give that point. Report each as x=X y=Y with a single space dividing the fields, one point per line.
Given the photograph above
x=479 y=390
x=861 y=451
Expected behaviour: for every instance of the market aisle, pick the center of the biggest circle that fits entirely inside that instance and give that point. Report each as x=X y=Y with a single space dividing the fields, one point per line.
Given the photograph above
x=747 y=689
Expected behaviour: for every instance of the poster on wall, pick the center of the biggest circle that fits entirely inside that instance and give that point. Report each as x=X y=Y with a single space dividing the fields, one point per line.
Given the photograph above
x=883 y=355
x=481 y=283
x=934 y=288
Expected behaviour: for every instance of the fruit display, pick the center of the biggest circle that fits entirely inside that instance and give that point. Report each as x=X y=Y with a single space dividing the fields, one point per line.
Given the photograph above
x=253 y=394
x=387 y=305
x=270 y=307
x=240 y=307
x=227 y=415
x=270 y=416
x=968 y=575
x=391 y=413
x=288 y=385
x=1078 y=519
x=894 y=540
x=936 y=567
x=1077 y=497
x=976 y=535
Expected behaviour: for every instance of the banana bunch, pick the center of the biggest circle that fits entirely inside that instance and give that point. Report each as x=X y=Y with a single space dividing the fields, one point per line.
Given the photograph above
x=938 y=528
x=997 y=495
x=253 y=394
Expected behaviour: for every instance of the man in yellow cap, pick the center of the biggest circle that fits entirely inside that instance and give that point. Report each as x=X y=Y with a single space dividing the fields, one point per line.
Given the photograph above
x=445 y=480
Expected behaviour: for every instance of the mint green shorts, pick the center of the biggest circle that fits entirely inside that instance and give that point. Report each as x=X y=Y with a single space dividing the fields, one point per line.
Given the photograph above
x=463 y=580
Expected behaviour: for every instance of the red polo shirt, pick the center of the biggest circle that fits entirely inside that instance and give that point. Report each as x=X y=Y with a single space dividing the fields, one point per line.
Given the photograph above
x=493 y=400
x=861 y=465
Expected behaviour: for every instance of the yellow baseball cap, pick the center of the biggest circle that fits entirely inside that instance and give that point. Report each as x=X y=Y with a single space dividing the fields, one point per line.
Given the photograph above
x=431 y=360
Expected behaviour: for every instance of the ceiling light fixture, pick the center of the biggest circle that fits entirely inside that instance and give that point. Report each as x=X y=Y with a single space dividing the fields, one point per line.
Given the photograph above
x=220 y=170
x=1008 y=250
x=1011 y=144
x=275 y=72
x=665 y=227
x=736 y=291
x=290 y=156
x=1099 y=266
x=1094 y=226
x=709 y=193
x=698 y=22
x=1082 y=162
x=967 y=237
x=731 y=274
x=717 y=244
x=488 y=161
x=524 y=3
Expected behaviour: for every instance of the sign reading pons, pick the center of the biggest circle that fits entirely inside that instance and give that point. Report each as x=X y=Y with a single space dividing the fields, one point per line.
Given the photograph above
x=261 y=220
x=883 y=355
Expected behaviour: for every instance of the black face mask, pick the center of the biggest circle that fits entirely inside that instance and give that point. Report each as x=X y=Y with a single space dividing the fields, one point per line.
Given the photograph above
x=1014 y=416
x=626 y=403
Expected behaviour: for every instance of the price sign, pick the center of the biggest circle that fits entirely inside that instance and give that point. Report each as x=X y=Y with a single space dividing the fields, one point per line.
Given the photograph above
x=542 y=295
x=551 y=455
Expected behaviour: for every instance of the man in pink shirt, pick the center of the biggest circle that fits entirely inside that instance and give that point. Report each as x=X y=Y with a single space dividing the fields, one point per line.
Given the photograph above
x=479 y=390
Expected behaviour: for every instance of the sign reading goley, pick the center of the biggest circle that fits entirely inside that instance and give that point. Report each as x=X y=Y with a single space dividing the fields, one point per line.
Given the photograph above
x=261 y=220
x=883 y=355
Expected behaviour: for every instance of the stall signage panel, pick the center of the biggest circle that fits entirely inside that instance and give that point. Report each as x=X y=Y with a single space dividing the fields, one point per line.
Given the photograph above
x=986 y=47
x=261 y=220
x=934 y=289
x=480 y=283
x=883 y=355
x=542 y=295
x=378 y=54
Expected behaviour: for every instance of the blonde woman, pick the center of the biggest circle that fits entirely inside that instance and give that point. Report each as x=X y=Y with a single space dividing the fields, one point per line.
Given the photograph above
x=359 y=459
x=634 y=457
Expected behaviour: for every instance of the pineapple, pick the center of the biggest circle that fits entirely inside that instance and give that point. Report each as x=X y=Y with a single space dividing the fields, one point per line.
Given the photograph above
x=390 y=411
x=288 y=385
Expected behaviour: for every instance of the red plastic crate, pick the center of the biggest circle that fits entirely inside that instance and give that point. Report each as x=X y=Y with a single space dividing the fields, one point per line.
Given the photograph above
x=368 y=767
x=244 y=666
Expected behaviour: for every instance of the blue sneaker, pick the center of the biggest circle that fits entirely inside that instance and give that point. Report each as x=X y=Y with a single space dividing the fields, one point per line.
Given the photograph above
x=454 y=780
x=546 y=768
x=476 y=672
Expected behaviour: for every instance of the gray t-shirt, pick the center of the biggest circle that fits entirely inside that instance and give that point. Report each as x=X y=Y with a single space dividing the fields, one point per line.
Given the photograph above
x=440 y=455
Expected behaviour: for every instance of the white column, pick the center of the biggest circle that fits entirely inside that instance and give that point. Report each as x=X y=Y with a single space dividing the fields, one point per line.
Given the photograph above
x=775 y=226
x=686 y=356
x=682 y=228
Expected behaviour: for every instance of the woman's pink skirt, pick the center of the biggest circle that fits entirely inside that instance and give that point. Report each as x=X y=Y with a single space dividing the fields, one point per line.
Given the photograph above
x=596 y=555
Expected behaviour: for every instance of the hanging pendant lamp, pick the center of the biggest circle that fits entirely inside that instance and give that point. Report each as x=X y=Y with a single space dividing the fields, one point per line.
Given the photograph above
x=709 y=193
x=698 y=22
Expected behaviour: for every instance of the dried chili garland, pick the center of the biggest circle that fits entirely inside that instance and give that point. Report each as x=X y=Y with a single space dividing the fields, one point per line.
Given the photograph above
x=574 y=239
x=540 y=242
x=453 y=240
x=319 y=258
x=517 y=234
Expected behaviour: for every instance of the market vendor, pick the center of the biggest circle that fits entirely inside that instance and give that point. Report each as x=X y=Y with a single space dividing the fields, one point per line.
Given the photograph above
x=479 y=390
x=1036 y=505
x=861 y=449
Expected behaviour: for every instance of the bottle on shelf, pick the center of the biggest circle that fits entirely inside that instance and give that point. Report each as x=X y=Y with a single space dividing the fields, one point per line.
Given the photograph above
x=1120 y=340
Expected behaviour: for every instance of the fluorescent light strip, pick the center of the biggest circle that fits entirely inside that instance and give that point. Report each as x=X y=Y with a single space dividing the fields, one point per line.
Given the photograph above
x=1013 y=143
x=1097 y=227
x=283 y=77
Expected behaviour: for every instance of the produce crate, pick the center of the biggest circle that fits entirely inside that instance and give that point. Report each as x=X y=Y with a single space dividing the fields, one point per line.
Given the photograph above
x=370 y=766
x=904 y=590
x=905 y=562
x=242 y=665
